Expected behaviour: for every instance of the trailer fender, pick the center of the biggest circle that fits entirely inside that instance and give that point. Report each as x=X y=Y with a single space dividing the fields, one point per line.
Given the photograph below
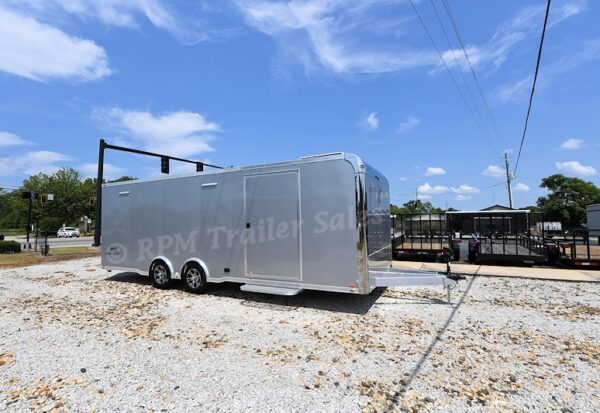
x=174 y=275
x=200 y=263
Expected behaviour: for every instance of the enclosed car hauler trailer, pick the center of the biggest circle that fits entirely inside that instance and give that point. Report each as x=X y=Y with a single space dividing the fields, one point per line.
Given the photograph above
x=320 y=223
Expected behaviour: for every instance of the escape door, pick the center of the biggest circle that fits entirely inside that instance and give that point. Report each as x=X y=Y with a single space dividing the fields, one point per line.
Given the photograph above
x=272 y=233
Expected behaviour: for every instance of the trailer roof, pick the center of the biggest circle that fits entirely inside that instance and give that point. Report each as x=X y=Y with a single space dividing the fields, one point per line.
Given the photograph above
x=355 y=159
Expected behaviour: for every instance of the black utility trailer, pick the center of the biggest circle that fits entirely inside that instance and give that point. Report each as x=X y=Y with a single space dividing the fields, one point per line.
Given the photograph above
x=423 y=237
x=504 y=248
x=579 y=248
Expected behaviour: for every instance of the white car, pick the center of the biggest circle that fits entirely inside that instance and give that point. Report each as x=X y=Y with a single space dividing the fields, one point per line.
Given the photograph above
x=67 y=232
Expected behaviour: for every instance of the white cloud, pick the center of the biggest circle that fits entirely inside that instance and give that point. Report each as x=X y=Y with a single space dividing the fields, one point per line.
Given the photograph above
x=364 y=36
x=461 y=197
x=465 y=189
x=494 y=171
x=186 y=27
x=371 y=122
x=427 y=189
x=576 y=168
x=572 y=144
x=519 y=89
x=409 y=124
x=434 y=171
x=110 y=171
x=176 y=133
x=403 y=178
x=336 y=35
x=508 y=35
x=521 y=187
x=38 y=51
x=10 y=139
x=566 y=10
x=32 y=163
x=513 y=91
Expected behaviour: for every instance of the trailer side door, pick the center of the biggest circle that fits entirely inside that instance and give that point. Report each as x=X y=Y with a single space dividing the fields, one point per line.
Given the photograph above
x=272 y=233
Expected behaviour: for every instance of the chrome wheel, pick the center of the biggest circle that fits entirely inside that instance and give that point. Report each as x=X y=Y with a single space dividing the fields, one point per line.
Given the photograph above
x=160 y=273
x=193 y=277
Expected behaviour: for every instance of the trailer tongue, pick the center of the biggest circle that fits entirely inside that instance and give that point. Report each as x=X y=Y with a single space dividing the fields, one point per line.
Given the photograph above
x=378 y=277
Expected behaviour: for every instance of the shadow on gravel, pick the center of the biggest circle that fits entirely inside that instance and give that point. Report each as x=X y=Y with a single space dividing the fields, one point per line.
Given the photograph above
x=318 y=300
x=440 y=332
x=414 y=301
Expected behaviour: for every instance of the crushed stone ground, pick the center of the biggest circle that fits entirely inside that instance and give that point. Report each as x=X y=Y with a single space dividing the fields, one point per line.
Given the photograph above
x=75 y=338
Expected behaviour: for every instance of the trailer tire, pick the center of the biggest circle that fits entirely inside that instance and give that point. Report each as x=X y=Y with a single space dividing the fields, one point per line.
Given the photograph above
x=160 y=274
x=194 y=279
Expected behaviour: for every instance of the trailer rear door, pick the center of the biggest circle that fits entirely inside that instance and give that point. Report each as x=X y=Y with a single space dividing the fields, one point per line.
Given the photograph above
x=273 y=233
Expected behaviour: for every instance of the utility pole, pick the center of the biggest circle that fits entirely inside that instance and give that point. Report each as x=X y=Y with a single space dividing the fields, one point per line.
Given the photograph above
x=508 y=180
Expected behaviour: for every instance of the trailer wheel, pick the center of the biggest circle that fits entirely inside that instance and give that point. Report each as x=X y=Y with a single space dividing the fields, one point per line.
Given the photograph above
x=194 y=279
x=160 y=275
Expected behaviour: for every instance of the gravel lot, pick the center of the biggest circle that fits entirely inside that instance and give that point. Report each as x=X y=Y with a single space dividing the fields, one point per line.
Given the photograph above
x=74 y=337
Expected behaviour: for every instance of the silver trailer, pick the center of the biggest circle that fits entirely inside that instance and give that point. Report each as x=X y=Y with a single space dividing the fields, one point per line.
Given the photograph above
x=321 y=223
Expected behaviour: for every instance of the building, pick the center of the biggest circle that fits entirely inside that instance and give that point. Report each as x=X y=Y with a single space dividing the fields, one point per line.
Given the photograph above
x=593 y=219
x=496 y=219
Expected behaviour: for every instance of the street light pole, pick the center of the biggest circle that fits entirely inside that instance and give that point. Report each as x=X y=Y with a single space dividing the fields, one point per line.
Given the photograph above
x=29 y=218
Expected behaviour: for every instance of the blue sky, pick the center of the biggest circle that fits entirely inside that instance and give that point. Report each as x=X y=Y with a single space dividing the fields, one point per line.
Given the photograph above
x=238 y=82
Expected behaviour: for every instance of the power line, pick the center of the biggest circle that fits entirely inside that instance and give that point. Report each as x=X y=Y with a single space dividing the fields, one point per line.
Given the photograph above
x=479 y=88
x=490 y=142
x=537 y=67
x=458 y=65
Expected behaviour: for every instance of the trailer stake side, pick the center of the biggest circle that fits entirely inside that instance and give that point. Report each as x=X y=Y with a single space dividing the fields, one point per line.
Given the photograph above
x=318 y=223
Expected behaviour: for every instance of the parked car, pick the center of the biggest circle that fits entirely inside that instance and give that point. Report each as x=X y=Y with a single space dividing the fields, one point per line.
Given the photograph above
x=67 y=232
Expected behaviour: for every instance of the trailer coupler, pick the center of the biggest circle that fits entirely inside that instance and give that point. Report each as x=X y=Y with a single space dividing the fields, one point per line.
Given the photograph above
x=456 y=277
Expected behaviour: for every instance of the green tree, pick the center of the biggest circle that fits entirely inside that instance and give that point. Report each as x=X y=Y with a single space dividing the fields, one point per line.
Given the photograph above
x=11 y=205
x=124 y=178
x=74 y=197
x=415 y=207
x=567 y=199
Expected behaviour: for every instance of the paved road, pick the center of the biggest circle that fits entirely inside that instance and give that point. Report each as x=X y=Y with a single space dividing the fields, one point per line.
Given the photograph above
x=58 y=242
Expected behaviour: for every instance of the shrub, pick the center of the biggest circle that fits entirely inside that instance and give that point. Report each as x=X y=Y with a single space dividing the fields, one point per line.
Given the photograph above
x=9 y=246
